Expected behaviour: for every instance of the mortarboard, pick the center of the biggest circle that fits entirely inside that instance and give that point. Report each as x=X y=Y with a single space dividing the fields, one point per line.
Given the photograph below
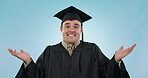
x=72 y=13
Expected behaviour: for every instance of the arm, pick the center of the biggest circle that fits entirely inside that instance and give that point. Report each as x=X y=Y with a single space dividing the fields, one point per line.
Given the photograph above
x=32 y=70
x=24 y=57
x=110 y=68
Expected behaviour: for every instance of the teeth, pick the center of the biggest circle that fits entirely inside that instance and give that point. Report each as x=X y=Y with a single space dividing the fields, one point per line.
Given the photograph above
x=70 y=35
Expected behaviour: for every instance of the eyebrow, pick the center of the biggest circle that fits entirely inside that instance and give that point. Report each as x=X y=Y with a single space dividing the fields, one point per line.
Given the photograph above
x=76 y=24
x=66 y=23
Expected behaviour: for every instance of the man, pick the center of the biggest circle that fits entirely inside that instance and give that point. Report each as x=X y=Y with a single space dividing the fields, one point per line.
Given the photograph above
x=73 y=58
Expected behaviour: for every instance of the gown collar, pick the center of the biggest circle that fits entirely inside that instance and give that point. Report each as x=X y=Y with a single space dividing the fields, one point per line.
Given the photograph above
x=70 y=48
x=66 y=46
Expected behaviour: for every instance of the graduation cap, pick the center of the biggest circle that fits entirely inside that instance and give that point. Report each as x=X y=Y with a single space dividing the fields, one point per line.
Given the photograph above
x=72 y=13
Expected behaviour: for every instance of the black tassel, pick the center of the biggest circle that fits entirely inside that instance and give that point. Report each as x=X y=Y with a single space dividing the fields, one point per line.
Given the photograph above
x=82 y=36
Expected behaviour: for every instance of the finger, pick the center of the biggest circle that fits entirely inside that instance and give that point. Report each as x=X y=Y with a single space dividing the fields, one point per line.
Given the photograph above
x=9 y=49
x=12 y=52
x=133 y=46
x=22 y=51
x=121 y=48
x=130 y=49
x=127 y=51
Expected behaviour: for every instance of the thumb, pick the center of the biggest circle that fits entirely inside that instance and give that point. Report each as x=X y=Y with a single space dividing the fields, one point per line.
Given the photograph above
x=121 y=48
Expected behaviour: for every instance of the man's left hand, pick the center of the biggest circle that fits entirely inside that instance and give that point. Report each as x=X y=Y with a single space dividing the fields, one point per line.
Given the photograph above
x=122 y=53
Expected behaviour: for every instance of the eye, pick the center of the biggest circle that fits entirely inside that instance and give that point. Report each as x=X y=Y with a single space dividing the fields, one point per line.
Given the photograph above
x=67 y=26
x=76 y=27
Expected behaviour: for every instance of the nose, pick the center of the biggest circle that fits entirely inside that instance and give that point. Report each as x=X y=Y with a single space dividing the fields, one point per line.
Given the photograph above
x=71 y=29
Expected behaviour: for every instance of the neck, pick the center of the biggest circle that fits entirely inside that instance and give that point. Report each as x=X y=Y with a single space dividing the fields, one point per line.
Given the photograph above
x=71 y=44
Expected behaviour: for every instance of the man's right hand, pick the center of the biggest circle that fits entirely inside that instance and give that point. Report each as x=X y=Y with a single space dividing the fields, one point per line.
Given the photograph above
x=23 y=55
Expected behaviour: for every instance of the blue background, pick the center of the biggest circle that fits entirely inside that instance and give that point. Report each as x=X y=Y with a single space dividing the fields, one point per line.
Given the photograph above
x=30 y=25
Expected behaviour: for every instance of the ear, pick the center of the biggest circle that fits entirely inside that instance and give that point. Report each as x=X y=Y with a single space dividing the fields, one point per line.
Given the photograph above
x=81 y=29
x=61 y=28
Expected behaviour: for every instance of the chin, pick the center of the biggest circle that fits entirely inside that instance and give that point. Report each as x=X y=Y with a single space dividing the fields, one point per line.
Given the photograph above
x=72 y=41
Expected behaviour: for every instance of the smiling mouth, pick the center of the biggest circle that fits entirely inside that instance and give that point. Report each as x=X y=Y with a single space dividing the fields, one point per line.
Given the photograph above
x=71 y=35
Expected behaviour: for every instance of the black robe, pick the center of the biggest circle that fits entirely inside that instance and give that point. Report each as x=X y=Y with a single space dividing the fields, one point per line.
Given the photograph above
x=87 y=61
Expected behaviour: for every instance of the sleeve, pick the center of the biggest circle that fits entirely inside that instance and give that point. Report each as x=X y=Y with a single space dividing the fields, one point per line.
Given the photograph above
x=109 y=68
x=34 y=70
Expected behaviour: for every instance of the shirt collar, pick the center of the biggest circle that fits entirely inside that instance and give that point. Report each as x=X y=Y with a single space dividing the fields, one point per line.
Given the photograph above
x=66 y=46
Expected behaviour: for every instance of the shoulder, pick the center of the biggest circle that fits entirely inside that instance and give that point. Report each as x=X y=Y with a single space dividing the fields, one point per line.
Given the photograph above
x=53 y=46
x=90 y=44
x=85 y=46
x=93 y=46
x=56 y=47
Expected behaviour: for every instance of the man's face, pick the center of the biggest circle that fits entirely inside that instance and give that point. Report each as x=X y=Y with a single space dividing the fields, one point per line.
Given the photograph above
x=71 y=30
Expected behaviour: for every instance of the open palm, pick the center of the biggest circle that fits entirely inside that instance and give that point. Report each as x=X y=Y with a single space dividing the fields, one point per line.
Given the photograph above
x=22 y=55
x=122 y=53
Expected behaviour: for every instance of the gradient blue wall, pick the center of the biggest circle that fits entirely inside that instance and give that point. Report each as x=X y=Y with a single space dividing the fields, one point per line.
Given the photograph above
x=30 y=25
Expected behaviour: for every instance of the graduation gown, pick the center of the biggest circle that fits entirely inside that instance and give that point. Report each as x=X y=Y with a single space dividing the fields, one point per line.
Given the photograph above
x=86 y=61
